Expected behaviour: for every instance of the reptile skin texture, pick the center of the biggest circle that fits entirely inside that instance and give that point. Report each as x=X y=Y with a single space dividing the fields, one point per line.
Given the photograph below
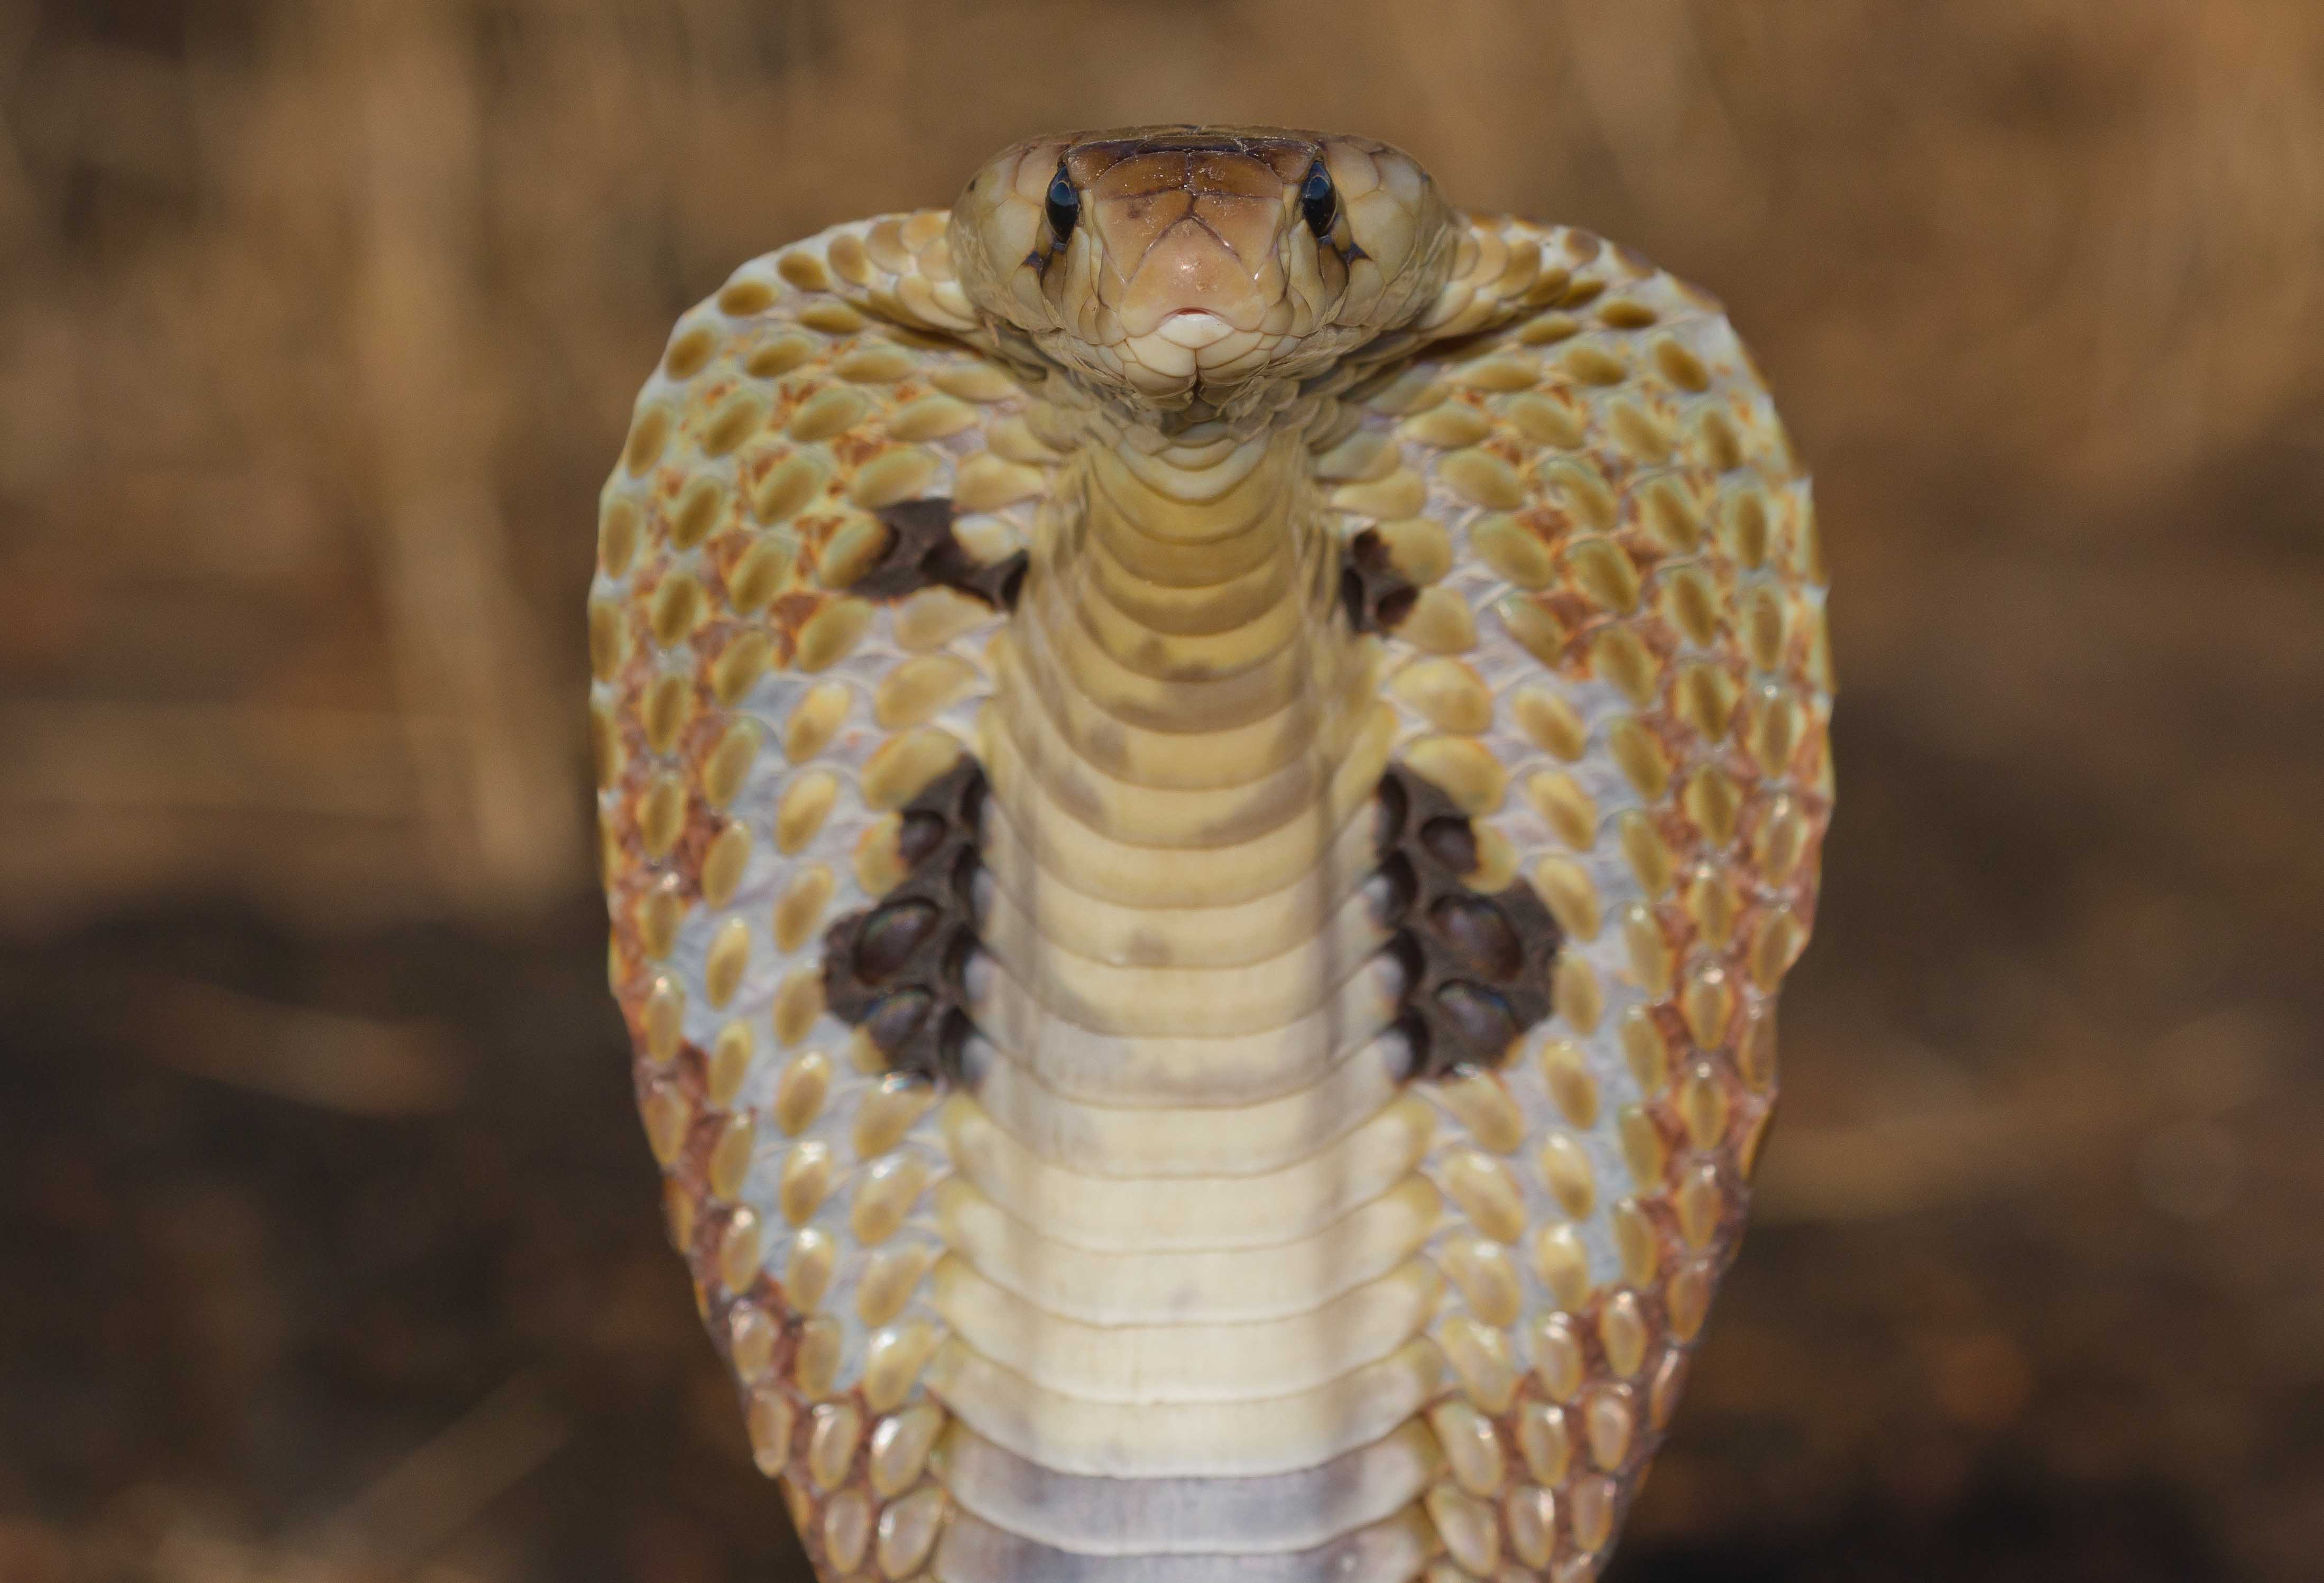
x=1208 y=769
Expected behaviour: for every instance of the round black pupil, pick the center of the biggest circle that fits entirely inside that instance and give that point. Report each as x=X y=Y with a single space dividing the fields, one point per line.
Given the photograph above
x=1065 y=207
x=1317 y=201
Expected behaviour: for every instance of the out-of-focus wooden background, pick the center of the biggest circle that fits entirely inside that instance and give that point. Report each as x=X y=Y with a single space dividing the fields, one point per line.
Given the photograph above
x=329 y=1245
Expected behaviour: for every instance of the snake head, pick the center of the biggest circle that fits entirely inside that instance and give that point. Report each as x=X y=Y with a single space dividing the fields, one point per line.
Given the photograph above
x=1168 y=263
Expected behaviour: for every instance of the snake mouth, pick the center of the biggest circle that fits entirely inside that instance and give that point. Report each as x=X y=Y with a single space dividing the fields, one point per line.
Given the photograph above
x=1190 y=345
x=1193 y=329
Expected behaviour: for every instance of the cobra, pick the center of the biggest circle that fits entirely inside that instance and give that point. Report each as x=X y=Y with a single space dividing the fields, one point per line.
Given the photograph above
x=1208 y=768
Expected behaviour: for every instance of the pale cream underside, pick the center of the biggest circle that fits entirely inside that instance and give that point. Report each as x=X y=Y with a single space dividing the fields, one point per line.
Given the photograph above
x=1249 y=1107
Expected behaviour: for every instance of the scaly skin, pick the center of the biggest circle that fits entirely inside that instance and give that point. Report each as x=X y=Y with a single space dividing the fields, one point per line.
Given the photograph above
x=1188 y=1245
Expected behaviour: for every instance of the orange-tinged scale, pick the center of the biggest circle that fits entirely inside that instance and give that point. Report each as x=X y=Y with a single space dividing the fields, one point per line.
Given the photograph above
x=1614 y=609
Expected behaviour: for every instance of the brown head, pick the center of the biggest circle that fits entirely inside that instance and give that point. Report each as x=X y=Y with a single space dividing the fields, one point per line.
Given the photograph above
x=1168 y=261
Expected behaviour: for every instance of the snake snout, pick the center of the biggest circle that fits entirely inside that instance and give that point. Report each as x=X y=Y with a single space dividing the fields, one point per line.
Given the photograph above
x=1191 y=268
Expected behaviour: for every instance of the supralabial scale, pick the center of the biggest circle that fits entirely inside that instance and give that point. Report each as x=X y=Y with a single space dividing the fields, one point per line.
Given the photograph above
x=1208 y=769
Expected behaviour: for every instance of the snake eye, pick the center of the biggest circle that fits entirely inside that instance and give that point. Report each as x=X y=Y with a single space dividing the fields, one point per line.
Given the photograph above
x=1065 y=207
x=1319 y=200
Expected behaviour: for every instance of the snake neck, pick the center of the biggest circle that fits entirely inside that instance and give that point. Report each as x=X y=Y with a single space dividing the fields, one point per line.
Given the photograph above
x=1181 y=1291
x=1177 y=677
x=1206 y=569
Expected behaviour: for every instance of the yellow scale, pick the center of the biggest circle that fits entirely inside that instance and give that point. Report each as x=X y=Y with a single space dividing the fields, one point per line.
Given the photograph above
x=1180 y=1266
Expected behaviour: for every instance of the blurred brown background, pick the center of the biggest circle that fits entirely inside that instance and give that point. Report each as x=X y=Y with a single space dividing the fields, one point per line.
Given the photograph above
x=328 y=1244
